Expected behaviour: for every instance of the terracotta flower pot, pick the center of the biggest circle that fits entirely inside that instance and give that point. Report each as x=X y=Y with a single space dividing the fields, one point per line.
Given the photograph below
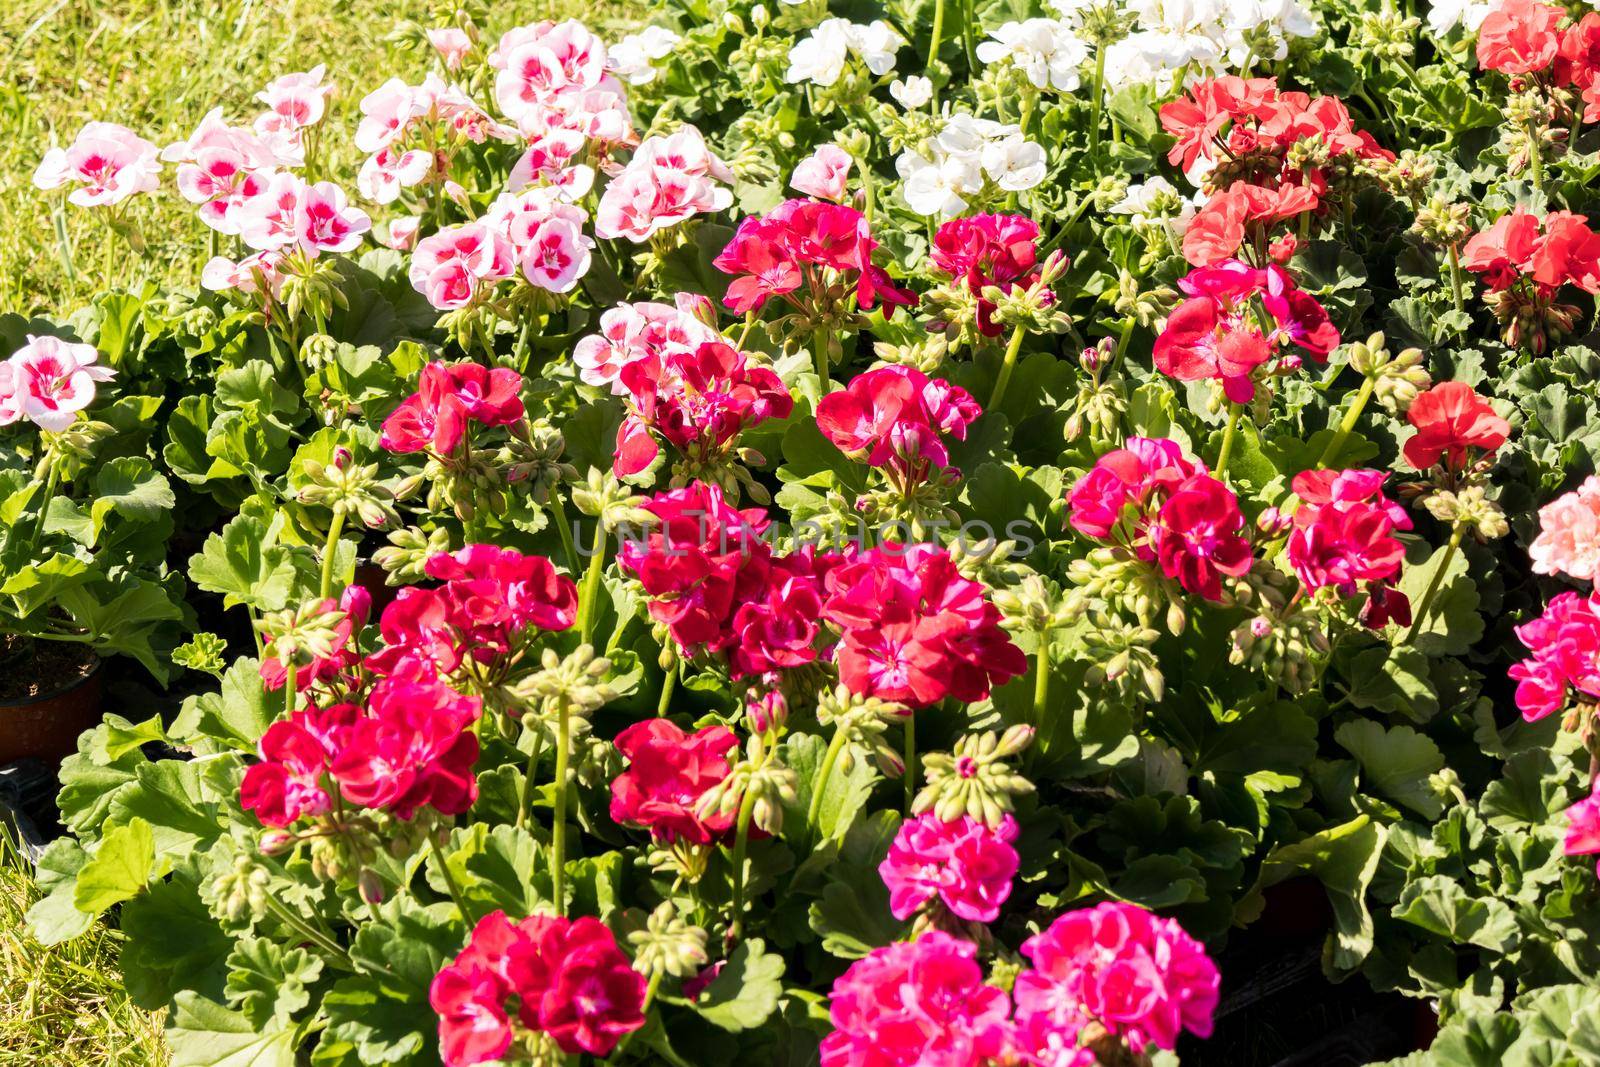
x=46 y=726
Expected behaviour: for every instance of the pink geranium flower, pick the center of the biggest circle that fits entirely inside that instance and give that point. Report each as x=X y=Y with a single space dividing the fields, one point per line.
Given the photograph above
x=324 y=221
x=917 y=1002
x=632 y=332
x=1140 y=976
x=669 y=179
x=106 y=163
x=566 y=978
x=301 y=99
x=48 y=381
x=965 y=864
x=457 y=265
x=1565 y=647
x=1569 y=534
x=1583 y=828
x=452 y=44
x=825 y=173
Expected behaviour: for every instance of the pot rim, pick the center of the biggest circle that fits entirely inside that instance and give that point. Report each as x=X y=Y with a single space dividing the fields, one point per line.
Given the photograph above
x=39 y=698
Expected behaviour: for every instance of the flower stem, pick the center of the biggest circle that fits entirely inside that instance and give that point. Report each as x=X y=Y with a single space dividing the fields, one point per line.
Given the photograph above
x=666 y=690
x=741 y=844
x=291 y=685
x=969 y=24
x=1228 y=434
x=1536 y=160
x=450 y=881
x=1041 y=681
x=591 y=584
x=933 y=52
x=341 y=956
x=558 y=829
x=330 y=550
x=829 y=758
x=1348 y=424
x=1455 y=277
x=558 y=512
x=525 y=805
x=1006 y=367
x=819 y=354
x=911 y=761
x=1099 y=98
x=52 y=479
x=1420 y=616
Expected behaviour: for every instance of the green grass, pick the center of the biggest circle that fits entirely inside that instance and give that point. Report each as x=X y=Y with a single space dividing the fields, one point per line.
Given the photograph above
x=157 y=66
x=64 y=1005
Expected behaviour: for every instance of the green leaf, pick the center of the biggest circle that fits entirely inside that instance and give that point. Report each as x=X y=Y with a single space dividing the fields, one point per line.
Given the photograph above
x=1344 y=858
x=1439 y=905
x=130 y=487
x=173 y=941
x=368 y=1023
x=1394 y=681
x=119 y=869
x=268 y=981
x=240 y=564
x=54 y=917
x=1396 y=762
x=236 y=716
x=843 y=797
x=202 y=1033
x=1453 y=624
x=745 y=993
x=852 y=917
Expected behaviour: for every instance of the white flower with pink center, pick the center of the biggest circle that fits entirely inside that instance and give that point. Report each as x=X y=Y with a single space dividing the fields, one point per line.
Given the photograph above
x=108 y=163
x=48 y=381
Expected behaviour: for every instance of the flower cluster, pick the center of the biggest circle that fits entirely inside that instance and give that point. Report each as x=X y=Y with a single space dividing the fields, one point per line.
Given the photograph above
x=1569 y=534
x=824 y=248
x=1244 y=131
x=565 y=979
x=488 y=598
x=821 y=56
x=914 y=631
x=963 y=161
x=551 y=77
x=669 y=179
x=1114 y=969
x=717 y=585
x=1452 y=422
x=450 y=397
x=966 y=865
x=1140 y=977
x=669 y=771
x=338 y=658
x=1215 y=335
x=897 y=418
x=106 y=163
x=1524 y=261
x=1565 y=646
x=1343 y=537
x=48 y=381
x=699 y=400
x=1150 y=499
x=921 y=1001
x=980 y=251
x=1208 y=35
x=642 y=330
x=408 y=745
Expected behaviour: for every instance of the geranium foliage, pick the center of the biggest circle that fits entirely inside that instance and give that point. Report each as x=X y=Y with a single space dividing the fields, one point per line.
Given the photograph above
x=879 y=533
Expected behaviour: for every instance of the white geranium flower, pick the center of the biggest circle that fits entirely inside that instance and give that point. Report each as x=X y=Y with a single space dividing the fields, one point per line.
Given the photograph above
x=913 y=92
x=1014 y=163
x=820 y=57
x=630 y=58
x=1047 y=51
x=1446 y=15
x=938 y=187
x=876 y=43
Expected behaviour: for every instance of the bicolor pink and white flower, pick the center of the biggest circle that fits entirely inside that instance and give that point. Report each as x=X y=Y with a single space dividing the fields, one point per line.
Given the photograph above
x=455 y=266
x=669 y=179
x=48 y=381
x=825 y=173
x=631 y=332
x=106 y=163
x=1569 y=534
x=300 y=99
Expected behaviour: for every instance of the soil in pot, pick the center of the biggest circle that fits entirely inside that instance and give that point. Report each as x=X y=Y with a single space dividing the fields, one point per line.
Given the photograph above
x=48 y=696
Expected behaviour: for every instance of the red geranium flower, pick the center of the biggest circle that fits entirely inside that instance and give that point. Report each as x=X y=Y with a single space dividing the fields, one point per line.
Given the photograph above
x=668 y=772
x=1519 y=36
x=1450 y=418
